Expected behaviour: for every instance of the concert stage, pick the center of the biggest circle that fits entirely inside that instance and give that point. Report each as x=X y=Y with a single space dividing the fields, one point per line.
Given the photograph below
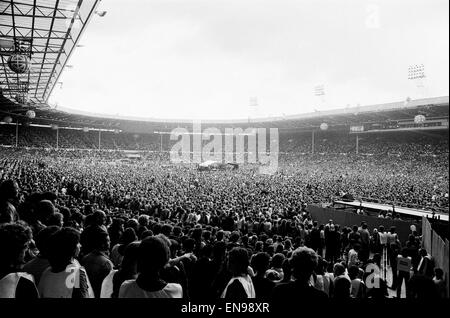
x=400 y=210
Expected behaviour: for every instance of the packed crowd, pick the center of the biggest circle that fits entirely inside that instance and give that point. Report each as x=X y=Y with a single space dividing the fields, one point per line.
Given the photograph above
x=406 y=144
x=155 y=230
x=420 y=182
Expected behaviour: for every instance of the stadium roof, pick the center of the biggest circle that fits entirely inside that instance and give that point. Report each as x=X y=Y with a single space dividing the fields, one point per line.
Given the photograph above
x=432 y=108
x=348 y=111
x=47 y=31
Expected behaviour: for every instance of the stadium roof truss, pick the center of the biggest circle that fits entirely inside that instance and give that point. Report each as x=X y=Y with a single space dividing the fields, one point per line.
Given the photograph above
x=47 y=31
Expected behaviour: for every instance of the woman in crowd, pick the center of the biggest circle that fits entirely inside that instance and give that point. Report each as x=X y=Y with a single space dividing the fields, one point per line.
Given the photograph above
x=358 y=288
x=117 y=252
x=263 y=285
x=40 y=263
x=14 y=240
x=128 y=270
x=186 y=211
x=275 y=273
x=65 y=278
x=153 y=255
x=240 y=285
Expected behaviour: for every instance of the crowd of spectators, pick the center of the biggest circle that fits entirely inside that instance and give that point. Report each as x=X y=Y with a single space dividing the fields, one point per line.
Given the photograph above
x=155 y=229
x=407 y=144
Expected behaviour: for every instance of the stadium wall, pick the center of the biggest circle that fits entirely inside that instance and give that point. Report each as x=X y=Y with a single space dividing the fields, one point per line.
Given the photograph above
x=438 y=249
x=343 y=218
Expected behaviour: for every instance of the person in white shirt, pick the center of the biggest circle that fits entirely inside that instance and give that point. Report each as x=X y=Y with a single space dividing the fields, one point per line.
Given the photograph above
x=323 y=281
x=128 y=270
x=358 y=288
x=342 y=282
x=153 y=256
x=240 y=285
x=404 y=265
x=14 y=283
x=384 y=248
x=65 y=278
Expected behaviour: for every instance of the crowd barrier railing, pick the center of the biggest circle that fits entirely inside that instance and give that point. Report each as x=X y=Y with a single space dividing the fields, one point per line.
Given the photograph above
x=437 y=247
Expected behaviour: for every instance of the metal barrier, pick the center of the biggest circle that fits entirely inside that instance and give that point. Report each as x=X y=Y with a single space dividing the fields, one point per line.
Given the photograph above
x=437 y=247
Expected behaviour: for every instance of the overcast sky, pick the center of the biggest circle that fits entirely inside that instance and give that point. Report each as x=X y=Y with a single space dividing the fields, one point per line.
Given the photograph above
x=208 y=58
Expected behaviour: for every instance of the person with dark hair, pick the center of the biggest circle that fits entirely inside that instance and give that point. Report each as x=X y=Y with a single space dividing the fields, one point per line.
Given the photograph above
x=342 y=288
x=66 y=215
x=56 y=219
x=439 y=282
x=8 y=213
x=118 y=250
x=393 y=250
x=153 y=256
x=97 y=262
x=167 y=230
x=188 y=258
x=332 y=244
x=41 y=211
x=259 y=245
x=143 y=221
x=314 y=235
x=426 y=264
x=174 y=271
x=220 y=235
x=145 y=234
x=404 y=265
x=90 y=230
x=344 y=240
x=377 y=258
x=412 y=247
x=115 y=230
x=77 y=219
x=176 y=232
x=286 y=295
x=275 y=273
x=99 y=219
x=128 y=270
x=322 y=281
x=263 y=285
x=364 y=251
x=44 y=211
x=9 y=191
x=375 y=244
x=287 y=270
x=354 y=238
x=233 y=240
x=240 y=285
x=14 y=240
x=134 y=224
x=202 y=276
x=40 y=263
x=65 y=278
x=218 y=262
x=358 y=288
x=50 y=196
x=206 y=237
x=342 y=284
